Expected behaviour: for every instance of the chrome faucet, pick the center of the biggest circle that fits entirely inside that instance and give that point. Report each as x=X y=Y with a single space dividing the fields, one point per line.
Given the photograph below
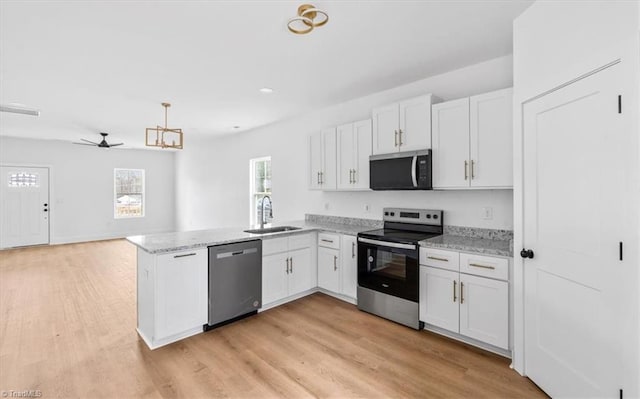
x=263 y=216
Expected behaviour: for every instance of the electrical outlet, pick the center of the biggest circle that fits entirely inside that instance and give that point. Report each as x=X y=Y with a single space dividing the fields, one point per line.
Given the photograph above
x=487 y=213
x=326 y=206
x=367 y=208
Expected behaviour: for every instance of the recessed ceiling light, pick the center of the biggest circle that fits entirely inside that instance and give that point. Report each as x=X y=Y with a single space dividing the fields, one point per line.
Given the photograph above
x=266 y=90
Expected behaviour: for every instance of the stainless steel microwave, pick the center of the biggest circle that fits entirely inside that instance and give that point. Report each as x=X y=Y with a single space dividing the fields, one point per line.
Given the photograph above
x=409 y=170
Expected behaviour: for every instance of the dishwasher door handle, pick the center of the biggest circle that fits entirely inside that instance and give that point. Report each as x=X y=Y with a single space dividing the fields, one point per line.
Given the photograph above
x=236 y=253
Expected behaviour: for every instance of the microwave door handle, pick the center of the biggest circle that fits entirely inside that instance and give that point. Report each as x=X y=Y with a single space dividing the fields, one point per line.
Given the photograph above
x=414 y=163
x=386 y=243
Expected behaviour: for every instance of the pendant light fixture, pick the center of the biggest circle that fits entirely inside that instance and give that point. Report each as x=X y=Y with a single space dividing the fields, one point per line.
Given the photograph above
x=164 y=137
x=306 y=20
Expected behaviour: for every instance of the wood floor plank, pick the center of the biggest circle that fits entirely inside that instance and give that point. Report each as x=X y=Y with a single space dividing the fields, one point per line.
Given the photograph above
x=67 y=328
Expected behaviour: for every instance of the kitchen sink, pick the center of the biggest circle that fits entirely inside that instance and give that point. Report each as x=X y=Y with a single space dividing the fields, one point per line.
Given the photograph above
x=268 y=230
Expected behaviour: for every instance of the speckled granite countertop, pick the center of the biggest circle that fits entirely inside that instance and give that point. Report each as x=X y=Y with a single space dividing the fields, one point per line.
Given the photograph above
x=470 y=244
x=180 y=241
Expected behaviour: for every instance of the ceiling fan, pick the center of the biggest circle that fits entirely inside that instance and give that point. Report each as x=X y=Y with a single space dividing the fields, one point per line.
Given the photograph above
x=102 y=144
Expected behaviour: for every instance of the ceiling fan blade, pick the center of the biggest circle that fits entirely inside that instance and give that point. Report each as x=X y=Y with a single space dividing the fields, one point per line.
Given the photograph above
x=85 y=144
x=114 y=145
x=89 y=141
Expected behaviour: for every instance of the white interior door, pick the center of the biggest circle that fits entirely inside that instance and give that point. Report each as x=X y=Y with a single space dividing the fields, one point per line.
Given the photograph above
x=573 y=182
x=24 y=199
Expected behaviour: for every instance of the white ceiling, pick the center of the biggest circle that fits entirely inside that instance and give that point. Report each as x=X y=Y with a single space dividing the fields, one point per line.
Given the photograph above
x=93 y=66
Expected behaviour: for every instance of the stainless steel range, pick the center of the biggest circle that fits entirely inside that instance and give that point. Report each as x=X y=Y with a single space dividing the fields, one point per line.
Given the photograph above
x=388 y=264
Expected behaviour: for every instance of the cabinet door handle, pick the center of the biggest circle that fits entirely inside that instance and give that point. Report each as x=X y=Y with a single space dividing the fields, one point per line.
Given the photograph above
x=395 y=138
x=436 y=258
x=325 y=240
x=353 y=249
x=291 y=265
x=454 y=290
x=287 y=267
x=184 y=255
x=318 y=177
x=473 y=175
x=466 y=170
x=482 y=266
x=335 y=263
x=354 y=177
x=321 y=177
x=400 y=134
x=461 y=292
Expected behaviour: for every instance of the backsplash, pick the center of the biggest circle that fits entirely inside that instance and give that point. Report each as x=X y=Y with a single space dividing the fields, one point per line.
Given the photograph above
x=343 y=220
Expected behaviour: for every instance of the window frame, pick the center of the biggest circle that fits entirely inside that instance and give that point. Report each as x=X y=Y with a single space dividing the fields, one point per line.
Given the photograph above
x=253 y=201
x=115 y=194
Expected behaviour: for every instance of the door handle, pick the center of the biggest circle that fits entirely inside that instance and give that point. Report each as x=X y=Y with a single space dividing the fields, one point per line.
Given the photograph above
x=353 y=249
x=287 y=267
x=335 y=263
x=291 y=265
x=395 y=138
x=473 y=175
x=526 y=253
x=466 y=170
x=454 y=290
x=400 y=134
x=461 y=292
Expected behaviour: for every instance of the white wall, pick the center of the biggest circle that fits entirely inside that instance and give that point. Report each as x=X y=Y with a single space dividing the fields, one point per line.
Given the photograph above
x=81 y=187
x=554 y=43
x=213 y=175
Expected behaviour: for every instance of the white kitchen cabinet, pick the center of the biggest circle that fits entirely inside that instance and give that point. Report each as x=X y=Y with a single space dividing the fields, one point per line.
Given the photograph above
x=338 y=264
x=472 y=301
x=403 y=126
x=354 y=149
x=349 y=261
x=484 y=310
x=323 y=160
x=329 y=269
x=172 y=294
x=275 y=279
x=439 y=304
x=472 y=142
x=287 y=267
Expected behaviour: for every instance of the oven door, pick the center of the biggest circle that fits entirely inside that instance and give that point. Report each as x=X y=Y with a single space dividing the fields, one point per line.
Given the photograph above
x=388 y=267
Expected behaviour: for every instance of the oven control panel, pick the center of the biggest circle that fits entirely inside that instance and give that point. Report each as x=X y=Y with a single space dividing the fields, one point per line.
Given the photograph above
x=416 y=216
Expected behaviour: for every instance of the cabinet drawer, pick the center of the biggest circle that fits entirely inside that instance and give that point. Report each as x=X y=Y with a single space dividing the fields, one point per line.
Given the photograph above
x=275 y=245
x=438 y=258
x=329 y=240
x=299 y=241
x=486 y=266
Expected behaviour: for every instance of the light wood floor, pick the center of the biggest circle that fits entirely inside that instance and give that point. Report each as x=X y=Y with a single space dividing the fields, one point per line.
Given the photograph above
x=67 y=328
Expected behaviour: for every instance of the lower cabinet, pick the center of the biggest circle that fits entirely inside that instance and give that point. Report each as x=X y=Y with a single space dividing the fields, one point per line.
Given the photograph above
x=475 y=306
x=349 y=257
x=337 y=264
x=172 y=295
x=287 y=267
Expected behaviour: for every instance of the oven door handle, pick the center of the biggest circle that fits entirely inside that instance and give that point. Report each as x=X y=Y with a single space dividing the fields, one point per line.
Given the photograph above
x=414 y=178
x=386 y=243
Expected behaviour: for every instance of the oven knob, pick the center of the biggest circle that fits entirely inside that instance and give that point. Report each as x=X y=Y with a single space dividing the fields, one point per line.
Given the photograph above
x=428 y=216
x=435 y=216
x=371 y=259
x=393 y=213
x=386 y=213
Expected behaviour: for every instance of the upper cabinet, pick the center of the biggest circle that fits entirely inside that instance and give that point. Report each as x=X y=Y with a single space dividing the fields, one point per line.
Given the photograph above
x=472 y=142
x=403 y=126
x=322 y=160
x=354 y=149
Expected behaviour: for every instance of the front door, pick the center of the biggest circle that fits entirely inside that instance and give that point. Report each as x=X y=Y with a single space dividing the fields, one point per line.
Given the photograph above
x=573 y=180
x=24 y=203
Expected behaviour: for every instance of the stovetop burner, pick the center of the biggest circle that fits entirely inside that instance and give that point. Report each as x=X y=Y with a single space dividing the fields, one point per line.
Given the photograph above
x=407 y=226
x=395 y=235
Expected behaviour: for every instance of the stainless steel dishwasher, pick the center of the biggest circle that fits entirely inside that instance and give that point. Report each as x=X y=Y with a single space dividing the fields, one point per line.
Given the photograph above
x=235 y=282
